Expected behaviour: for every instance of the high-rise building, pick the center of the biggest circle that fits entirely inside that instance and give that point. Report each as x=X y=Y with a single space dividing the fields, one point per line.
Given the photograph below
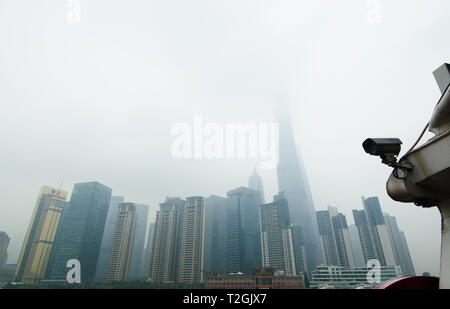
x=4 y=243
x=301 y=264
x=243 y=245
x=292 y=180
x=335 y=238
x=373 y=233
x=166 y=241
x=327 y=238
x=215 y=235
x=108 y=234
x=192 y=241
x=399 y=246
x=122 y=245
x=255 y=182
x=147 y=256
x=80 y=232
x=342 y=238
x=136 y=266
x=408 y=264
x=39 y=239
x=276 y=236
x=357 y=251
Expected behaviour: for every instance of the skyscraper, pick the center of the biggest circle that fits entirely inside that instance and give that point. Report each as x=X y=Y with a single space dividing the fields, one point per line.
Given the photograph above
x=255 y=183
x=108 y=234
x=166 y=241
x=357 y=251
x=215 y=235
x=80 y=232
x=122 y=245
x=192 y=241
x=399 y=246
x=342 y=238
x=335 y=238
x=276 y=236
x=327 y=238
x=147 y=256
x=301 y=264
x=293 y=182
x=4 y=243
x=243 y=245
x=135 y=272
x=373 y=232
x=39 y=239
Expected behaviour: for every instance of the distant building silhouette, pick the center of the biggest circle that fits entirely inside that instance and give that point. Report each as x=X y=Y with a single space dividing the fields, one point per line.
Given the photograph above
x=4 y=243
x=255 y=182
x=147 y=255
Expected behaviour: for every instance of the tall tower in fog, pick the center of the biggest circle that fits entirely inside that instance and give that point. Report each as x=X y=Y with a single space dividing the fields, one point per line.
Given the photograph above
x=292 y=180
x=255 y=183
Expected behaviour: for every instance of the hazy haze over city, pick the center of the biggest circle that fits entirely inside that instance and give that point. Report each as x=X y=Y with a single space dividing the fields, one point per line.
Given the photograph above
x=96 y=101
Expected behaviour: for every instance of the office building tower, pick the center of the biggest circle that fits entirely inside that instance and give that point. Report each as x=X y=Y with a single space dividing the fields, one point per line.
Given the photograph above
x=276 y=236
x=108 y=234
x=292 y=180
x=40 y=237
x=327 y=238
x=147 y=256
x=301 y=264
x=215 y=235
x=255 y=183
x=335 y=238
x=357 y=251
x=243 y=245
x=4 y=243
x=342 y=238
x=136 y=266
x=399 y=246
x=122 y=245
x=80 y=232
x=408 y=264
x=166 y=241
x=373 y=233
x=192 y=241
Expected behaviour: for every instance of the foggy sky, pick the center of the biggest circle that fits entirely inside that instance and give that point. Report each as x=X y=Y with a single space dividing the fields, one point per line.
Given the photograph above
x=97 y=100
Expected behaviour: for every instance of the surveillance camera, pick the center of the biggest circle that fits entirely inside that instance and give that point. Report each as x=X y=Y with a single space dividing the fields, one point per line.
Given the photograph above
x=388 y=149
x=384 y=147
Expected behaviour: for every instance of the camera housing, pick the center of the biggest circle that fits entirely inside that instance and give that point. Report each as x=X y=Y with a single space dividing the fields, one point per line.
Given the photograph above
x=382 y=146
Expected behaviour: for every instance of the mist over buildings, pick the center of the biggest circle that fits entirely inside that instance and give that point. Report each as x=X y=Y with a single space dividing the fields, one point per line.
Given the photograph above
x=97 y=100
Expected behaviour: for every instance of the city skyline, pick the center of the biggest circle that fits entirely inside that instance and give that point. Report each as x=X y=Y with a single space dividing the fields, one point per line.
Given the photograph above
x=96 y=100
x=379 y=236
x=148 y=222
